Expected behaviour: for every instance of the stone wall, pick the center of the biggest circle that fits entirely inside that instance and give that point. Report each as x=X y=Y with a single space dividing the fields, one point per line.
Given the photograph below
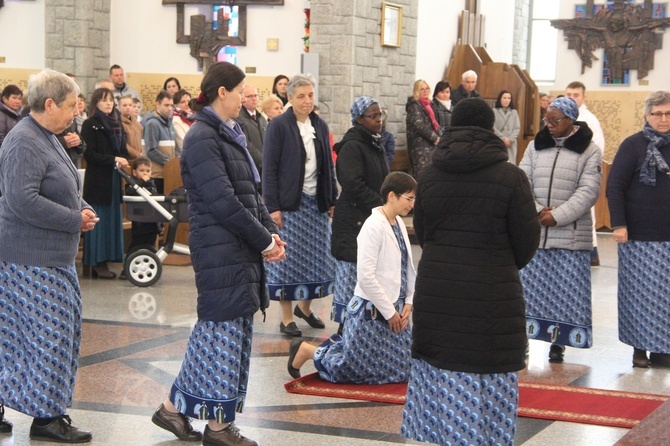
x=347 y=36
x=77 y=39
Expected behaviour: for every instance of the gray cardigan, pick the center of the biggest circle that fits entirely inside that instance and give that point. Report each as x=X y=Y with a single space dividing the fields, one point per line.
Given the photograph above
x=569 y=180
x=40 y=206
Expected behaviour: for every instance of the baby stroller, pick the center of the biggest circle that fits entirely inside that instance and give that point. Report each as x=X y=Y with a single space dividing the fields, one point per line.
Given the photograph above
x=144 y=266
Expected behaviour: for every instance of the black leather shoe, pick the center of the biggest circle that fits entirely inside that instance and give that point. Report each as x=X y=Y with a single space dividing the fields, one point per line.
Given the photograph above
x=291 y=329
x=229 y=436
x=661 y=359
x=60 y=430
x=5 y=425
x=556 y=353
x=292 y=351
x=640 y=358
x=177 y=423
x=313 y=320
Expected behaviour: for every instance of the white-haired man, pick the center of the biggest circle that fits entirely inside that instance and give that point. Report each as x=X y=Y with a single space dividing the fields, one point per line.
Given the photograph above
x=466 y=89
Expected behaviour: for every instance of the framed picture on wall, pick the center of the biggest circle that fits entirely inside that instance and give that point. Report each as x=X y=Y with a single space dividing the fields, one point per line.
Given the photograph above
x=391 y=24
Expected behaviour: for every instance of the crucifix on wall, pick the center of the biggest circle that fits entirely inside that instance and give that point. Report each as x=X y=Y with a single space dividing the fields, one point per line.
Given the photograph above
x=625 y=30
x=207 y=38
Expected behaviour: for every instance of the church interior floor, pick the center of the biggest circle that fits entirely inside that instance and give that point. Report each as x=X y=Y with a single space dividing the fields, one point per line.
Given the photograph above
x=134 y=340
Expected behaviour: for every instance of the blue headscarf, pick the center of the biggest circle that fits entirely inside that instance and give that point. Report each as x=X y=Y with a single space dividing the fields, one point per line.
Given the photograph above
x=361 y=103
x=567 y=106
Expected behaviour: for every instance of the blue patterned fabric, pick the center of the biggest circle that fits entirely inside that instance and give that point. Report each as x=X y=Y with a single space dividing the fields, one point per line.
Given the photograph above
x=644 y=295
x=40 y=321
x=308 y=272
x=105 y=242
x=212 y=382
x=361 y=103
x=457 y=408
x=557 y=290
x=368 y=352
x=403 y=259
x=567 y=106
x=345 y=283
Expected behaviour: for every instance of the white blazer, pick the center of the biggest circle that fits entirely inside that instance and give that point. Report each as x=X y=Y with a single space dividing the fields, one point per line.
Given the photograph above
x=379 y=262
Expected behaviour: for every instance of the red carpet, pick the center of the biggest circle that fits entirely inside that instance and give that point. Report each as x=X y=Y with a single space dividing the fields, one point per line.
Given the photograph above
x=545 y=401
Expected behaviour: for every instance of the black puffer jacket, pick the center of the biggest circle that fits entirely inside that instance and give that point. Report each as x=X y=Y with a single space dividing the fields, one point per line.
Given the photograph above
x=361 y=169
x=476 y=221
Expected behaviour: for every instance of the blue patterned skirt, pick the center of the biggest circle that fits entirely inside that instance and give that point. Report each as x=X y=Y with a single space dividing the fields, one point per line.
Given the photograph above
x=457 y=408
x=345 y=284
x=308 y=272
x=557 y=290
x=644 y=295
x=40 y=321
x=368 y=352
x=105 y=242
x=212 y=382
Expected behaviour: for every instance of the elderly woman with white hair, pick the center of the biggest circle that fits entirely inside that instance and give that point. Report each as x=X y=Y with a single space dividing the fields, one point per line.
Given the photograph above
x=41 y=215
x=638 y=188
x=299 y=191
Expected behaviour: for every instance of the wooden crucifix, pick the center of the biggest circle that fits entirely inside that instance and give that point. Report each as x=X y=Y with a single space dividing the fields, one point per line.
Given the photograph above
x=626 y=32
x=207 y=38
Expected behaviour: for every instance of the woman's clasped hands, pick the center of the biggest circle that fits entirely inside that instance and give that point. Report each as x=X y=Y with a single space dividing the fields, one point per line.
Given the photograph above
x=398 y=322
x=277 y=253
x=88 y=220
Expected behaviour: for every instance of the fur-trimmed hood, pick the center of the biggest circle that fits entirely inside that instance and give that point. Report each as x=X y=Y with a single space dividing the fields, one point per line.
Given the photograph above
x=576 y=143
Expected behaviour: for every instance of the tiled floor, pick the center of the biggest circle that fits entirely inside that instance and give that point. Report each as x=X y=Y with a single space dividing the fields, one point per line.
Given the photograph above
x=134 y=340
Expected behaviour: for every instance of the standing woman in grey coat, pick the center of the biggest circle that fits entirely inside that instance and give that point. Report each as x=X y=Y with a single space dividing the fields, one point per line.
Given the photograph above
x=507 y=125
x=564 y=169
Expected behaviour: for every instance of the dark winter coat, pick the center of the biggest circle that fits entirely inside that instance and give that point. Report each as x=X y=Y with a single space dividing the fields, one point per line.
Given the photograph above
x=361 y=169
x=476 y=221
x=421 y=135
x=230 y=226
x=460 y=93
x=255 y=131
x=284 y=159
x=99 y=155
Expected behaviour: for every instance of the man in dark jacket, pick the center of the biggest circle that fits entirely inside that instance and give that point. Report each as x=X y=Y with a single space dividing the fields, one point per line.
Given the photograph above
x=466 y=89
x=253 y=124
x=476 y=221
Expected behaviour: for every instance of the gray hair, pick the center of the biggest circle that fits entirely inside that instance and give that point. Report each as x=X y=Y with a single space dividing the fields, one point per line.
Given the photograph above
x=49 y=84
x=468 y=74
x=660 y=97
x=299 y=80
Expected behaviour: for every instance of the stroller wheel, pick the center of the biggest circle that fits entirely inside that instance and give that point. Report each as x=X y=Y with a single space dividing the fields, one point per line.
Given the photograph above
x=143 y=268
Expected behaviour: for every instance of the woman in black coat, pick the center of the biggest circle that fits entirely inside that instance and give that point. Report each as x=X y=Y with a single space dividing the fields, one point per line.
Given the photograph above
x=105 y=146
x=476 y=221
x=361 y=168
x=423 y=130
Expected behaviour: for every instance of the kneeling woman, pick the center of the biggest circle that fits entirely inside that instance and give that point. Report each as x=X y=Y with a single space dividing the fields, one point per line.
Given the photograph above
x=374 y=347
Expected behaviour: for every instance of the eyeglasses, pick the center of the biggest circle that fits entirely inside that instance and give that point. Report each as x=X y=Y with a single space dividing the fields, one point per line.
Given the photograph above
x=659 y=115
x=251 y=96
x=411 y=199
x=374 y=116
x=553 y=122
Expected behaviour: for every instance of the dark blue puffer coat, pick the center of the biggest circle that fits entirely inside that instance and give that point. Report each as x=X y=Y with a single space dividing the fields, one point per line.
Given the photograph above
x=230 y=226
